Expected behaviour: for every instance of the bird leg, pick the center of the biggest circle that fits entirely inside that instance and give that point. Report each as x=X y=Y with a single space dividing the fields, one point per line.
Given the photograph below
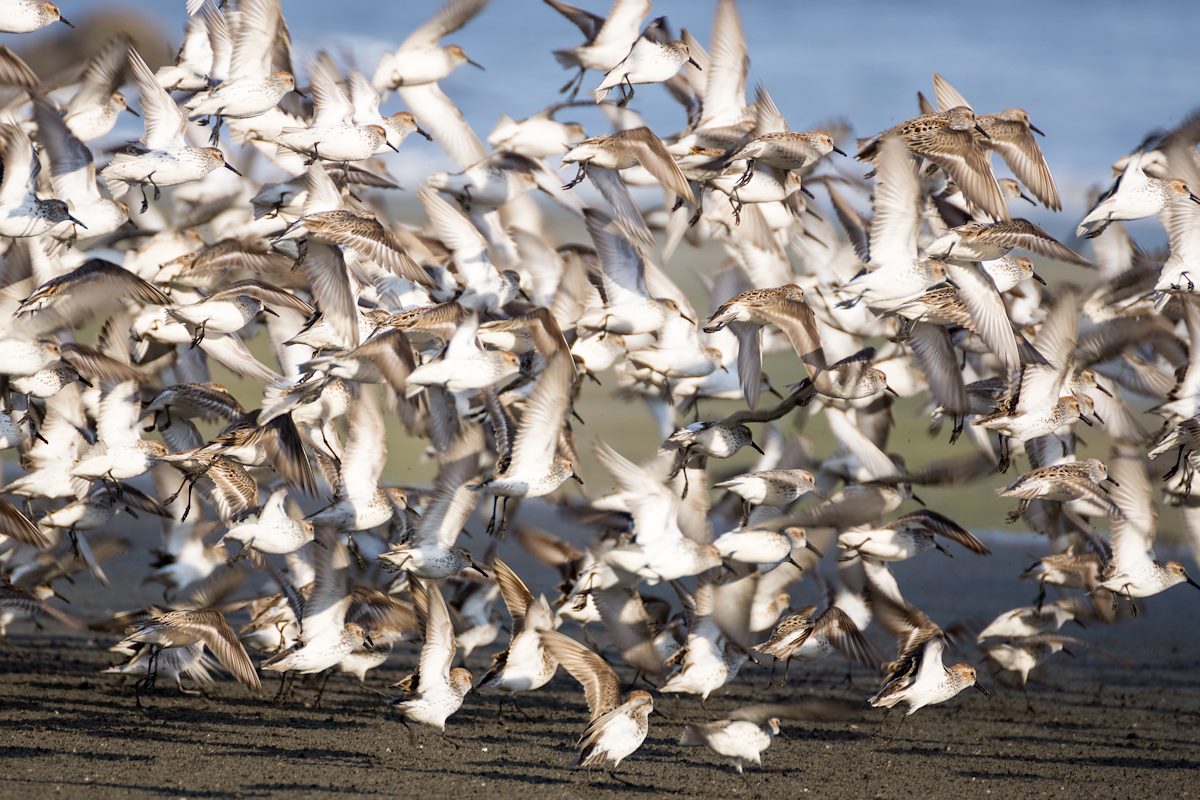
x=315 y=156
x=896 y=732
x=198 y=336
x=215 y=136
x=284 y=687
x=321 y=691
x=745 y=513
x=491 y=526
x=448 y=740
x=574 y=84
x=747 y=175
x=612 y=773
x=579 y=176
x=626 y=96
x=736 y=204
x=1178 y=460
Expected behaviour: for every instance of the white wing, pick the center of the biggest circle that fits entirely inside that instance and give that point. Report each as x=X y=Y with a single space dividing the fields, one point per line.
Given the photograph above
x=163 y=119
x=897 y=211
x=366 y=450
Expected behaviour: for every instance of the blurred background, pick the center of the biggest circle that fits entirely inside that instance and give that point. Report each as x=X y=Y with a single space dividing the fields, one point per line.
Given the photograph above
x=1095 y=76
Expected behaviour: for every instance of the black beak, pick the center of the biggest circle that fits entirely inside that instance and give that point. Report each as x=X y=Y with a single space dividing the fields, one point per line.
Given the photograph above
x=1026 y=198
x=476 y=65
x=1194 y=198
x=64 y=21
x=1039 y=279
x=1191 y=581
x=756 y=447
x=919 y=500
x=1036 y=129
x=890 y=391
x=478 y=568
x=839 y=150
x=425 y=134
x=77 y=222
x=131 y=111
x=368 y=642
x=981 y=688
x=692 y=61
x=1110 y=480
x=272 y=312
x=982 y=132
x=1102 y=390
x=391 y=146
x=810 y=546
x=232 y=169
x=577 y=479
x=685 y=316
x=1086 y=421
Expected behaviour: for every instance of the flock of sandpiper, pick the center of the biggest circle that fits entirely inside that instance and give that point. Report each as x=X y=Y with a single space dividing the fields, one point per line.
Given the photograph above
x=476 y=331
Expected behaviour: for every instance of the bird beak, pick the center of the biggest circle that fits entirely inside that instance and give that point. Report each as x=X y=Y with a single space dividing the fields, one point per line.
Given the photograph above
x=1086 y=421
x=1191 y=581
x=1110 y=480
x=1194 y=198
x=129 y=110
x=476 y=65
x=1039 y=279
x=368 y=642
x=982 y=132
x=692 y=61
x=64 y=21
x=810 y=546
x=919 y=500
x=479 y=568
x=1036 y=129
x=425 y=134
x=232 y=169
x=839 y=150
x=577 y=479
x=77 y=222
x=685 y=316
x=890 y=390
x=270 y=311
x=392 y=147
x=756 y=447
x=1103 y=391
x=1026 y=198
x=981 y=688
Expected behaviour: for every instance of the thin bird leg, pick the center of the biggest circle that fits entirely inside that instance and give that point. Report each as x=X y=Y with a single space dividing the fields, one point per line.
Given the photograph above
x=579 y=176
x=491 y=526
x=321 y=691
x=625 y=96
x=157 y=190
x=315 y=156
x=573 y=84
x=747 y=175
x=1178 y=460
x=448 y=740
x=896 y=732
x=736 y=204
x=745 y=513
x=215 y=136
x=612 y=773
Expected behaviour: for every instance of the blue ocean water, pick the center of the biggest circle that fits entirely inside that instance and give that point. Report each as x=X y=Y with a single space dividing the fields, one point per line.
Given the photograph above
x=1095 y=76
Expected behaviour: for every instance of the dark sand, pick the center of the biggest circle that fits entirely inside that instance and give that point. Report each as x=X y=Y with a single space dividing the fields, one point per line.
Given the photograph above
x=1099 y=729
